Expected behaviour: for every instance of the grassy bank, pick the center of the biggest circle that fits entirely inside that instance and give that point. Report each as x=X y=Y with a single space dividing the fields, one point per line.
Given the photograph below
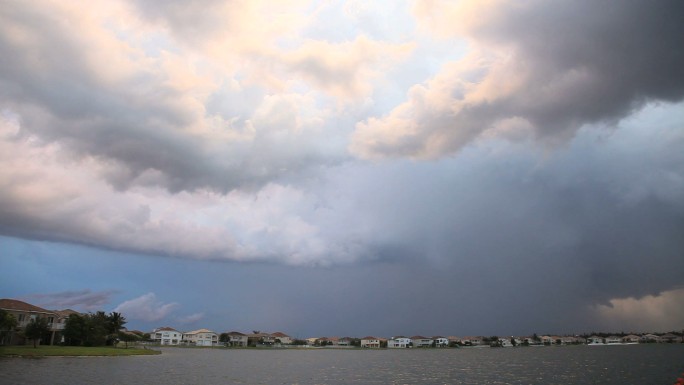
x=45 y=351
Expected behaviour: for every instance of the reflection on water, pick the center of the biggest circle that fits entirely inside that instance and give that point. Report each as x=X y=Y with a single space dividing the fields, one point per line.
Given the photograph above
x=633 y=364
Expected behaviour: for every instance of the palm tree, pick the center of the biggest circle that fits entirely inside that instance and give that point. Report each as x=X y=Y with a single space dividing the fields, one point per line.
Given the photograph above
x=115 y=322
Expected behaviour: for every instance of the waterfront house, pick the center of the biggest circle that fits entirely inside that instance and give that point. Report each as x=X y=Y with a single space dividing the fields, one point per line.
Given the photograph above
x=282 y=337
x=648 y=338
x=166 y=336
x=344 y=341
x=613 y=340
x=595 y=340
x=201 y=337
x=453 y=340
x=421 y=342
x=505 y=342
x=370 y=342
x=472 y=341
x=256 y=339
x=631 y=339
x=237 y=339
x=441 y=342
x=669 y=338
x=399 y=342
x=24 y=313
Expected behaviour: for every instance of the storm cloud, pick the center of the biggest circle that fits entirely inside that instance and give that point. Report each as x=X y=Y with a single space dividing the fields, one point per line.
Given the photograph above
x=548 y=68
x=477 y=158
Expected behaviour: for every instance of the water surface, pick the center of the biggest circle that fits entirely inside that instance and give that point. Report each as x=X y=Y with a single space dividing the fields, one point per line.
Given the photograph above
x=631 y=364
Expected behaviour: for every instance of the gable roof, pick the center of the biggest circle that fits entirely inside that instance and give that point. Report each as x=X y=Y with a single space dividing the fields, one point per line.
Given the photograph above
x=199 y=331
x=166 y=329
x=279 y=334
x=14 y=304
x=65 y=313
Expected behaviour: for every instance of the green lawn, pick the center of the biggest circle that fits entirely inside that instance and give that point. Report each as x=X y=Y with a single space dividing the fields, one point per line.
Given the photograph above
x=43 y=351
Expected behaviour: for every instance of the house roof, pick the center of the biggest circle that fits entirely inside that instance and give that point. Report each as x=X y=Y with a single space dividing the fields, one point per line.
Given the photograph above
x=235 y=334
x=14 y=304
x=279 y=334
x=166 y=329
x=65 y=313
x=370 y=338
x=419 y=338
x=199 y=331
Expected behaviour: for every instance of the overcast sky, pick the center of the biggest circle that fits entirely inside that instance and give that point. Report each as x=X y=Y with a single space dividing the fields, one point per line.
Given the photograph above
x=346 y=168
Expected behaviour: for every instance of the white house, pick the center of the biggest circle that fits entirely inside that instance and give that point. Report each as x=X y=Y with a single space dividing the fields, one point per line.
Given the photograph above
x=201 y=337
x=421 y=342
x=166 y=336
x=399 y=342
x=441 y=342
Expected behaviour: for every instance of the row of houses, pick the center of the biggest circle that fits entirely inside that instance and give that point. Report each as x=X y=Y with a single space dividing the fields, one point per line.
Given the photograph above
x=24 y=312
x=204 y=337
x=400 y=342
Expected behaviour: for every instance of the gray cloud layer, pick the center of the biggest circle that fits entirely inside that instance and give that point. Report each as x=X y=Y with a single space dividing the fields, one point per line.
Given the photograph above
x=551 y=67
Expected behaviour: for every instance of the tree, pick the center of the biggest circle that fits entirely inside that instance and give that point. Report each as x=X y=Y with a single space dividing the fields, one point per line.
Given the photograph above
x=36 y=329
x=75 y=330
x=7 y=324
x=115 y=322
x=225 y=338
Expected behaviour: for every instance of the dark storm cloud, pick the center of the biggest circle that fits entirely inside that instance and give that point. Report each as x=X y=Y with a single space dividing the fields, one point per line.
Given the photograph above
x=555 y=66
x=76 y=300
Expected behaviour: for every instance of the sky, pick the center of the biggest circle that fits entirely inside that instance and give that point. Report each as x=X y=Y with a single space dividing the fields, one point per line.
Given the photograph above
x=346 y=168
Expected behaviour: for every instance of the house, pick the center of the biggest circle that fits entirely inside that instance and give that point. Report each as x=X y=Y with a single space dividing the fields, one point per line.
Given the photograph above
x=399 y=342
x=472 y=341
x=256 y=339
x=453 y=340
x=237 y=339
x=201 y=337
x=282 y=337
x=505 y=342
x=370 y=342
x=421 y=342
x=166 y=336
x=24 y=312
x=649 y=338
x=670 y=338
x=595 y=340
x=613 y=340
x=551 y=340
x=631 y=339
x=572 y=340
x=441 y=342
x=344 y=341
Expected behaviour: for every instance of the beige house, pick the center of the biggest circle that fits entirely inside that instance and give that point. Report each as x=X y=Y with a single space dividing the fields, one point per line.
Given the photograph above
x=237 y=339
x=284 y=338
x=24 y=312
x=421 y=342
x=201 y=337
x=370 y=342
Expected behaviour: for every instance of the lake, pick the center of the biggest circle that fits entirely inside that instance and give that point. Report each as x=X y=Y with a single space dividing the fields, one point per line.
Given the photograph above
x=625 y=364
